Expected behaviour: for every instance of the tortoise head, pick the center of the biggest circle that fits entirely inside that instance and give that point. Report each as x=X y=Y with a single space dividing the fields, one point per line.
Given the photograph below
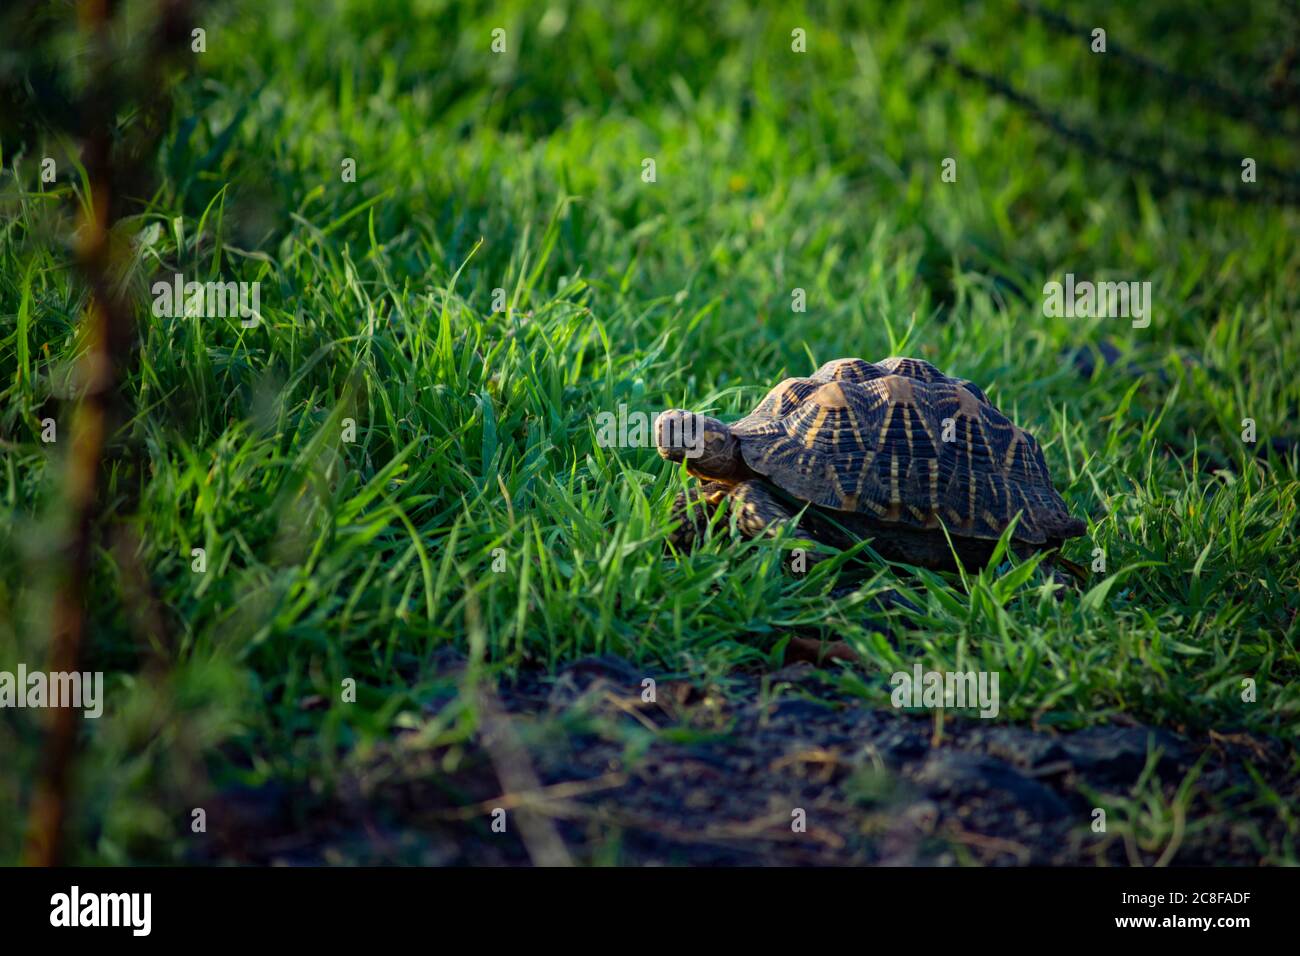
x=706 y=444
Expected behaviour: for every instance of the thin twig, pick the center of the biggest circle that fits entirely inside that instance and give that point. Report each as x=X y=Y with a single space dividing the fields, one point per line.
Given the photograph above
x=517 y=776
x=1230 y=102
x=1087 y=139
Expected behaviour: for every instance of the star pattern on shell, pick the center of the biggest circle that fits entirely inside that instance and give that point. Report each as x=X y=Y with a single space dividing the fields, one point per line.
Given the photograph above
x=905 y=444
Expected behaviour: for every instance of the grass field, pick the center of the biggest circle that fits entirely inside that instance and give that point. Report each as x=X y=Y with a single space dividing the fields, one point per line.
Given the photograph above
x=475 y=421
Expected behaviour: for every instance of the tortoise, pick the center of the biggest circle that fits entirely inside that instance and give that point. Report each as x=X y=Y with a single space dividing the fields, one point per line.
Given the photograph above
x=894 y=451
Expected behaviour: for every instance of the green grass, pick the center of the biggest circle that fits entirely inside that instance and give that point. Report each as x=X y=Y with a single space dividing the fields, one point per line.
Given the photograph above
x=475 y=429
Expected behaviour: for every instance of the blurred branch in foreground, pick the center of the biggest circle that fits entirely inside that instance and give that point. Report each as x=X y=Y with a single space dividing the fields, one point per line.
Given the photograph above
x=118 y=81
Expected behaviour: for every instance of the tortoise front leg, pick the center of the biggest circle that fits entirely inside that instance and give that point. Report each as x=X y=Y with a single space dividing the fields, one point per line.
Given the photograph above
x=758 y=511
x=692 y=511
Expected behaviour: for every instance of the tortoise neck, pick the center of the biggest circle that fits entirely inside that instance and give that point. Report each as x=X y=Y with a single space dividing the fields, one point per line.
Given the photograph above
x=718 y=456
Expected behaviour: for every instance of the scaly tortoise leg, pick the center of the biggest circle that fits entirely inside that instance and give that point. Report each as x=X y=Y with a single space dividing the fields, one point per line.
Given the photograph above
x=692 y=510
x=757 y=510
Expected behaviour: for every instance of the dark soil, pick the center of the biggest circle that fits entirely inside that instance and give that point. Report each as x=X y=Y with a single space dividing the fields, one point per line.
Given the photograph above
x=719 y=775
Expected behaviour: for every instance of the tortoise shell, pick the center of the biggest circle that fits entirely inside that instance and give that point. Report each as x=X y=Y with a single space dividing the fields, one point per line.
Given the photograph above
x=904 y=445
